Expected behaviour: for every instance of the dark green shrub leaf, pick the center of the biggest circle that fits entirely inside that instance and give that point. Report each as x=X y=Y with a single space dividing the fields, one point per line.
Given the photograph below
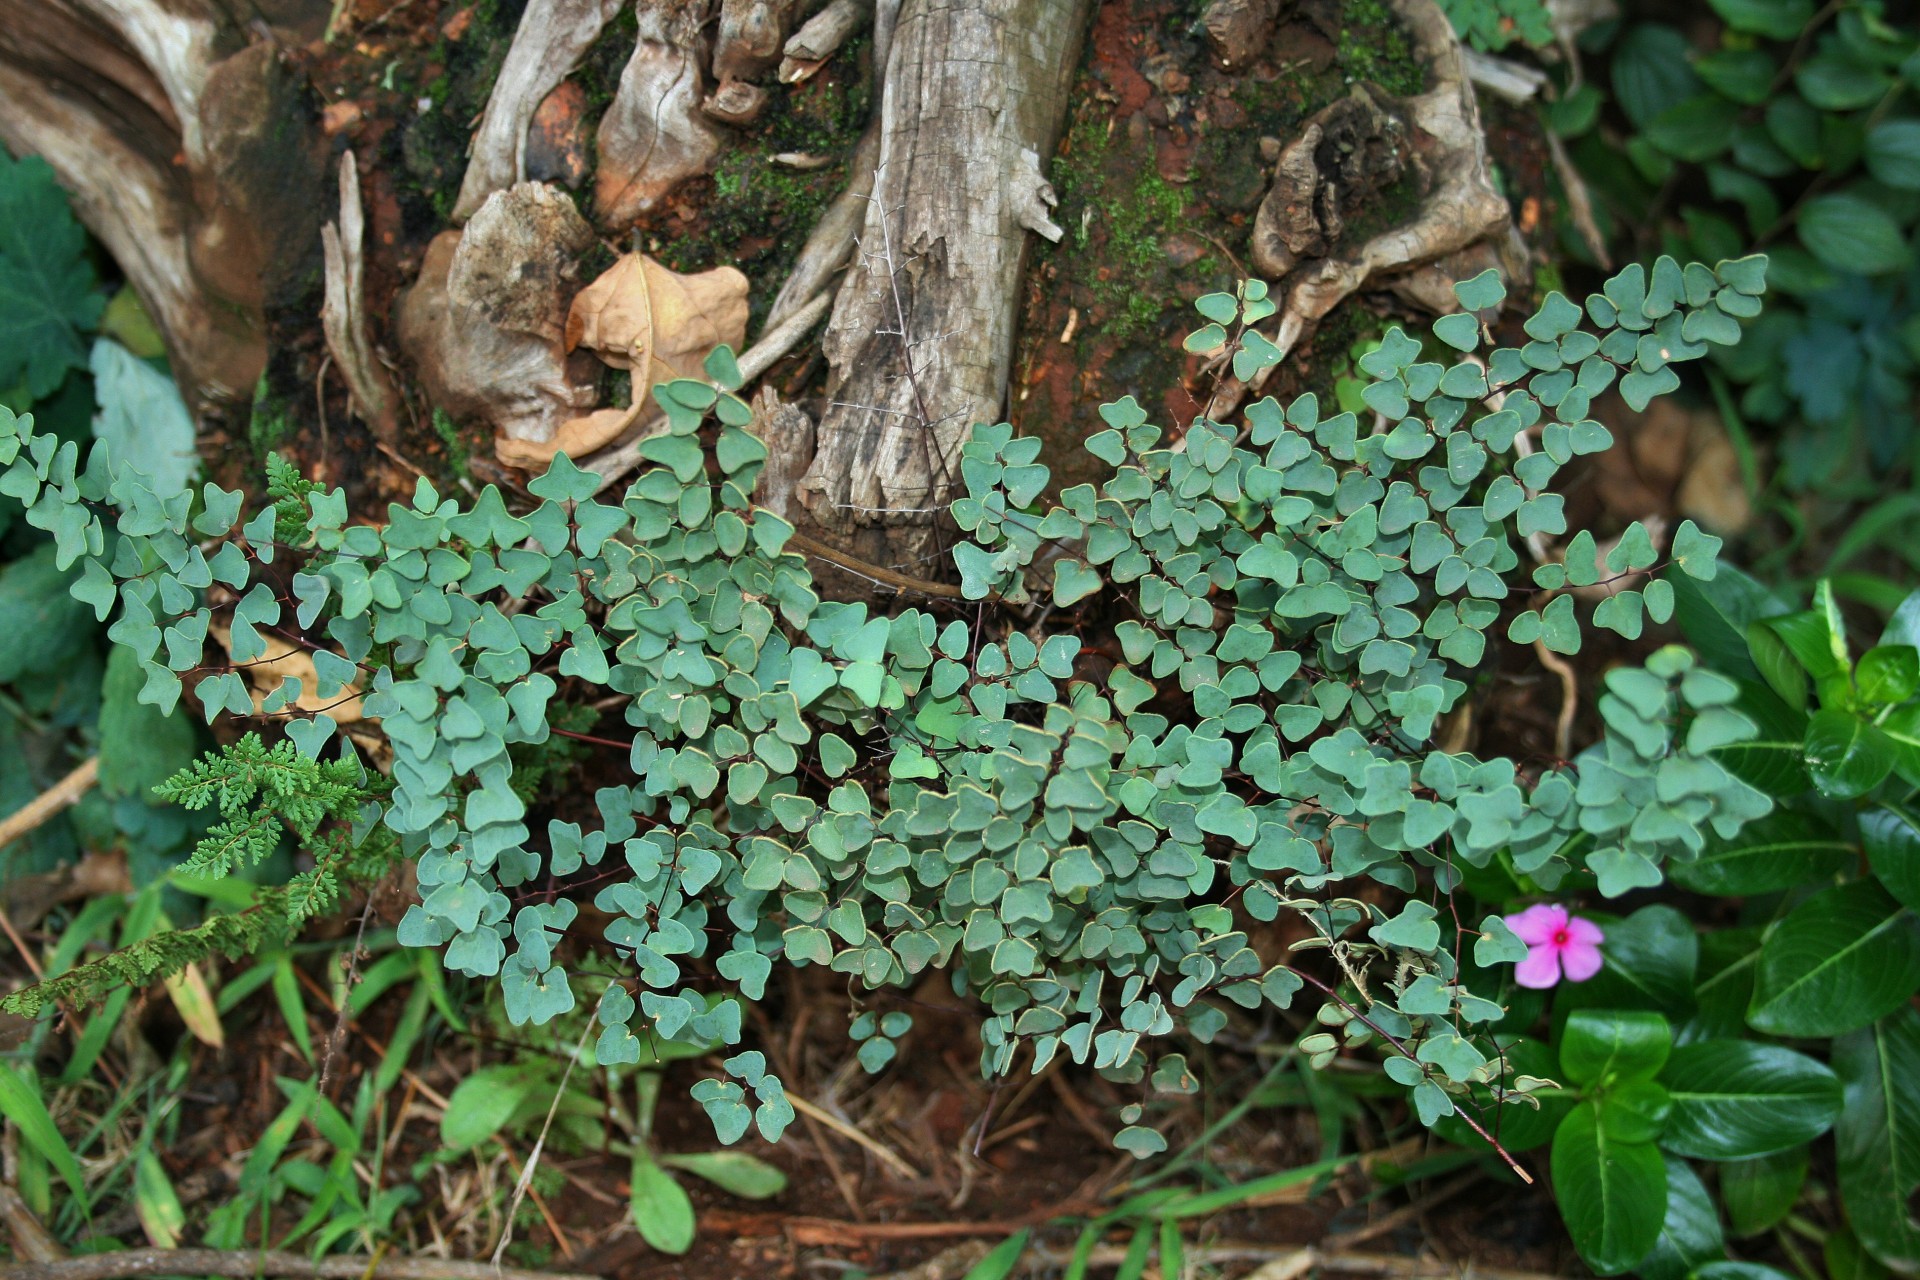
x=1784 y=849
x=1877 y=1137
x=1690 y=1232
x=1760 y=1191
x=1850 y=233
x=1842 y=958
x=1610 y=1045
x=1735 y=1098
x=1612 y=1194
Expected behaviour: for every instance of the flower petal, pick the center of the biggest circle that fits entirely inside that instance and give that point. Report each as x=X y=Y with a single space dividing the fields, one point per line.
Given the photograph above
x=1584 y=933
x=1581 y=960
x=1538 y=923
x=1540 y=970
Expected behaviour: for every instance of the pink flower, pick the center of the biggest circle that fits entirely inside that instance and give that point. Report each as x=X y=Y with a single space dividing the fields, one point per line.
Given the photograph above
x=1556 y=943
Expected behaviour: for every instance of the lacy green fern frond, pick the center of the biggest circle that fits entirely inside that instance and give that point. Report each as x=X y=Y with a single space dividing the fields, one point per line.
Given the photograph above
x=290 y=493
x=272 y=920
x=257 y=788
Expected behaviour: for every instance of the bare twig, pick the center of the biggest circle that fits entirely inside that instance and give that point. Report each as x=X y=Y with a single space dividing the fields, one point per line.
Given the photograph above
x=886 y=577
x=524 y=1184
x=1579 y=201
x=881 y=1152
x=49 y=802
x=1405 y=1213
x=1569 y=697
x=244 y=1264
x=1386 y=1266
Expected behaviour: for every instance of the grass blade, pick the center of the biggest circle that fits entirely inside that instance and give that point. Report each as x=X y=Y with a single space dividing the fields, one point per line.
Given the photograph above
x=20 y=1102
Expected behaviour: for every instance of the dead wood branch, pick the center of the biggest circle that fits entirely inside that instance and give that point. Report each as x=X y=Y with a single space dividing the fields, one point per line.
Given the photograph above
x=243 y=1264
x=654 y=135
x=831 y=242
x=344 y=319
x=787 y=431
x=821 y=37
x=553 y=36
x=192 y=156
x=485 y=322
x=1298 y=234
x=749 y=37
x=945 y=242
x=36 y=811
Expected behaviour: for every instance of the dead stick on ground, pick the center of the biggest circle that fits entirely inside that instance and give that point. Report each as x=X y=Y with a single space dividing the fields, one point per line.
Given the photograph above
x=883 y=1153
x=243 y=1264
x=51 y=801
x=1386 y=1266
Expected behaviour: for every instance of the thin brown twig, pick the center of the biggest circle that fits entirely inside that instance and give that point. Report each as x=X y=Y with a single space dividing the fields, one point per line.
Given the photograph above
x=1569 y=697
x=51 y=801
x=888 y=577
x=883 y=1153
x=244 y=1264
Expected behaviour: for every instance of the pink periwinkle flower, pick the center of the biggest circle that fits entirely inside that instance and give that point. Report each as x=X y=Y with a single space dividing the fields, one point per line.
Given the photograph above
x=1557 y=944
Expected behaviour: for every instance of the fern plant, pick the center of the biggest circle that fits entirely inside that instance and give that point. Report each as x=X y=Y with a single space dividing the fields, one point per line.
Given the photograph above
x=1091 y=849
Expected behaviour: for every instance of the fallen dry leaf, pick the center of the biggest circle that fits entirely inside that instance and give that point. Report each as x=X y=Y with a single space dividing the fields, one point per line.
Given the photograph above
x=643 y=316
x=282 y=659
x=576 y=438
x=1713 y=491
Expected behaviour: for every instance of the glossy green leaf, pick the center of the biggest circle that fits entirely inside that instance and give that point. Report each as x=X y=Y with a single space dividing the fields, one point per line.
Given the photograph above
x=1604 y=1045
x=1785 y=849
x=1690 y=1231
x=1612 y=1194
x=1839 y=960
x=1760 y=1191
x=1877 y=1137
x=1733 y=1099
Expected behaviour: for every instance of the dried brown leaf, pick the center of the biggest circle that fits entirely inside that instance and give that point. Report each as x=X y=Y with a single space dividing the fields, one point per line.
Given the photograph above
x=641 y=315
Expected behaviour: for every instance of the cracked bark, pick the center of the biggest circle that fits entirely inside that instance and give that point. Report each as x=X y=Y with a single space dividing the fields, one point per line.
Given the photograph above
x=975 y=94
x=190 y=152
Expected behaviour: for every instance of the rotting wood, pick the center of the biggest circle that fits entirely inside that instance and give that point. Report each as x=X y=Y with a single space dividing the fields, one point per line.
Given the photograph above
x=831 y=241
x=749 y=36
x=821 y=37
x=921 y=340
x=654 y=135
x=1296 y=239
x=787 y=431
x=59 y=796
x=553 y=36
x=485 y=321
x=242 y=1264
x=189 y=153
x=343 y=319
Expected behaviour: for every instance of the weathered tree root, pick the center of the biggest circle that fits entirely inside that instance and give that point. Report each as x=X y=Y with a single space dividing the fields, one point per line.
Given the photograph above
x=343 y=319
x=189 y=152
x=553 y=36
x=1437 y=135
x=485 y=322
x=921 y=340
x=654 y=135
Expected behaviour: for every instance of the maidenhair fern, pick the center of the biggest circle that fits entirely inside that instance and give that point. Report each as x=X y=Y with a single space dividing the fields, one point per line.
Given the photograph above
x=1089 y=848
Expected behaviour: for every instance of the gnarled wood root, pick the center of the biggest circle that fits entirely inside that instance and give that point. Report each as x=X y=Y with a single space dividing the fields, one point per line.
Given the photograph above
x=485 y=322
x=189 y=152
x=1362 y=146
x=553 y=36
x=343 y=318
x=654 y=134
x=921 y=339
